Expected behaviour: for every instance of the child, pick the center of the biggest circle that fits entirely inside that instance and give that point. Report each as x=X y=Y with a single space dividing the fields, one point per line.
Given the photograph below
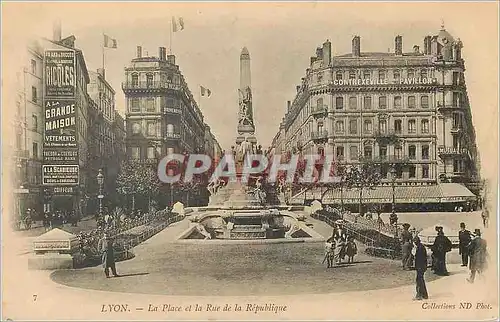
x=351 y=250
x=329 y=253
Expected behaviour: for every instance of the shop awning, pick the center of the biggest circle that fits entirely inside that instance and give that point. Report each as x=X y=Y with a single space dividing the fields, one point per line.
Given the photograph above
x=455 y=192
x=445 y=192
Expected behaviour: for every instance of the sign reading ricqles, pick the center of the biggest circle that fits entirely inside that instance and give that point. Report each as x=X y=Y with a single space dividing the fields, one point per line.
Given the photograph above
x=60 y=74
x=402 y=81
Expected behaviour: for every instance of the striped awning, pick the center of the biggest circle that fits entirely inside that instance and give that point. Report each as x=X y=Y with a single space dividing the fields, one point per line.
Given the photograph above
x=446 y=192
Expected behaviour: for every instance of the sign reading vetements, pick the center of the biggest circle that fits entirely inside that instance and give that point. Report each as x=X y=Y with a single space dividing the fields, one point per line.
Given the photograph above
x=60 y=143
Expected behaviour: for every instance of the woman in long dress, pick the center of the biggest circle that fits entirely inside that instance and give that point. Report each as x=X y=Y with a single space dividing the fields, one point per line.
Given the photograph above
x=340 y=243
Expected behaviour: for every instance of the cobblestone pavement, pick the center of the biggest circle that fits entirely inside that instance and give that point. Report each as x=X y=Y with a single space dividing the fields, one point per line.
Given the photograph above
x=163 y=267
x=36 y=296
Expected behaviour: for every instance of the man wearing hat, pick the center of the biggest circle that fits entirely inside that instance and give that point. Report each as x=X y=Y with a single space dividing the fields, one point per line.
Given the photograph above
x=406 y=246
x=108 y=256
x=420 y=267
x=478 y=255
x=464 y=237
x=441 y=246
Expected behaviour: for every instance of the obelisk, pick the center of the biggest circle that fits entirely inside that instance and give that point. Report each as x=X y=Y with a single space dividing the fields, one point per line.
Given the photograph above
x=246 y=126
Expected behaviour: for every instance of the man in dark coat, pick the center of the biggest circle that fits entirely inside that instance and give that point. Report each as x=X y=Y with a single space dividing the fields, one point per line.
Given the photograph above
x=478 y=255
x=406 y=246
x=464 y=237
x=441 y=246
x=108 y=257
x=420 y=267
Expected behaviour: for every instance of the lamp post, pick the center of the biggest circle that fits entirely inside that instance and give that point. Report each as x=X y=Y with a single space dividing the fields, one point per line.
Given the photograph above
x=393 y=210
x=170 y=173
x=100 y=181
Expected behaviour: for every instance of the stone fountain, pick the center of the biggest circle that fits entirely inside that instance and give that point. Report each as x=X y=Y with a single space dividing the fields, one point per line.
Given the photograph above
x=238 y=211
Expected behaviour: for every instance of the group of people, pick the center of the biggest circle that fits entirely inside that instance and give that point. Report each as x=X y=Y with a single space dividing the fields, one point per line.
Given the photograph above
x=338 y=246
x=59 y=218
x=472 y=248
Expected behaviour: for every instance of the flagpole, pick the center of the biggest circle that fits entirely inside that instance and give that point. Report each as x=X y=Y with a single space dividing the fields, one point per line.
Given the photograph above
x=170 y=46
x=102 y=47
x=199 y=96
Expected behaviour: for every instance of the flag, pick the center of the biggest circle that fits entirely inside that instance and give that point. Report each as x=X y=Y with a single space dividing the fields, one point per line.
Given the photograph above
x=109 y=42
x=205 y=91
x=177 y=24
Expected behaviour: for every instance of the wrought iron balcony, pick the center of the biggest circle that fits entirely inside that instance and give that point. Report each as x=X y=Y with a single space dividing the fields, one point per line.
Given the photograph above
x=153 y=85
x=391 y=159
x=172 y=110
x=319 y=111
x=319 y=136
x=387 y=135
x=448 y=107
x=172 y=136
x=22 y=154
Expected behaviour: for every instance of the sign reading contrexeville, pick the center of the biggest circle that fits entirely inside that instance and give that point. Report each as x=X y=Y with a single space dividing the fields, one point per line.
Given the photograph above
x=60 y=144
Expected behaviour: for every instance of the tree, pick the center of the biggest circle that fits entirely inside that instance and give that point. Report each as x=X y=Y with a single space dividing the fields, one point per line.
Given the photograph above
x=342 y=183
x=366 y=174
x=138 y=178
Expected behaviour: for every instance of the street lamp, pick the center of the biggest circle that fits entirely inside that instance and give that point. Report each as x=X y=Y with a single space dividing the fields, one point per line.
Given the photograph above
x=100 y=181
x=393 y=184
x=170 y=173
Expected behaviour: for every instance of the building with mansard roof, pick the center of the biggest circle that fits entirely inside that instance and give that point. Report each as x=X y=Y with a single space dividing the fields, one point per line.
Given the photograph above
x=407 y=111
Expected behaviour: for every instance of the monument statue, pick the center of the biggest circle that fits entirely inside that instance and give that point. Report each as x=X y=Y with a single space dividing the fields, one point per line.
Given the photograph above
x=245 y=116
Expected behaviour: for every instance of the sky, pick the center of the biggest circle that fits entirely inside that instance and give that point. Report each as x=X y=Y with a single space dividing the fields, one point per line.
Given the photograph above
x=280 y=37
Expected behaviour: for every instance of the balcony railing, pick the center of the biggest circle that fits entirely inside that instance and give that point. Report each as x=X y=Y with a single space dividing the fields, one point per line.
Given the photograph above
x=172 y=136
x=319 y=111
x=391 y=159
x=22 y=154
x=154 y=85
x=319 y=135
x=172 y=110
x=442 y=106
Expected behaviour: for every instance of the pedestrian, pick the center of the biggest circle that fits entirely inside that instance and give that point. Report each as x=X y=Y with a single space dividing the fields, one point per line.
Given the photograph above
x=406 y=246
x=464 y=237
x=478 y=255
x=108 y=257
x=441 y=246
x=420 y=267
x=486 y=216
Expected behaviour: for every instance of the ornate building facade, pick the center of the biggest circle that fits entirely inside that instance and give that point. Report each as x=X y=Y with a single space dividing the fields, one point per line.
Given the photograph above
x=407 y=111
x=161 y=116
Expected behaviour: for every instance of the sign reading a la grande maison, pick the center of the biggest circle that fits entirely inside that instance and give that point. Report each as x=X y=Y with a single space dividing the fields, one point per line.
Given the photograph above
x=60 y=141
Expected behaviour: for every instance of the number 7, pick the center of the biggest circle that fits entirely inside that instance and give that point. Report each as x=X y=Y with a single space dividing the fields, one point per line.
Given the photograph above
x=34 y=297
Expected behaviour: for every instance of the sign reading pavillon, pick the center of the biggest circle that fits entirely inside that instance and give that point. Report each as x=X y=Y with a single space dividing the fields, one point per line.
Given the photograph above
x=401 y=81
x=60 y=145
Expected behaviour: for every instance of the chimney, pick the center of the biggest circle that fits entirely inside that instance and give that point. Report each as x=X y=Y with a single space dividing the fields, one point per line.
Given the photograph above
x=56 y=31
x=139 y=51
x=313 y=59
x=427 y=45
x=416 y=49
x=327 y=52
x=288 y=106
x=398 y=45
x=356 y=46
x=171 y=59
x=319 y=53
x=101 y=72
x=162 y=54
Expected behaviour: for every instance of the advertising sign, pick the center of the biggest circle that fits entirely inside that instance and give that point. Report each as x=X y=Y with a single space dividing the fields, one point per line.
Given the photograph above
x=60 y=174
x=60 y=144
x=60 y=74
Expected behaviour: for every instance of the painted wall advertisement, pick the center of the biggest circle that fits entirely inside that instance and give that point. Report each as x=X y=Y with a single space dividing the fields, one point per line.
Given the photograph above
x=60 y=146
